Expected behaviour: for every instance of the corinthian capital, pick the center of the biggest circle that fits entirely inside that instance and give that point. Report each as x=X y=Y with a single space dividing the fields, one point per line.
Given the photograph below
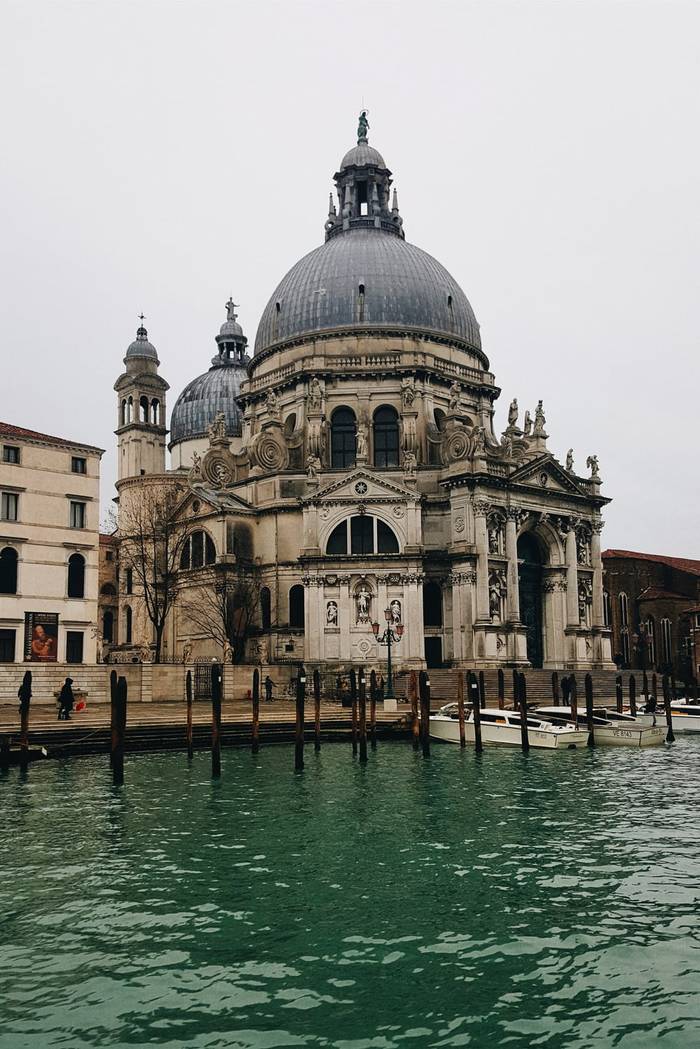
x=481 y=507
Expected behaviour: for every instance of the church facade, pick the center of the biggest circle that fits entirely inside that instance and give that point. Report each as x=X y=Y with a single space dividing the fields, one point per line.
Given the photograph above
x=350 y=467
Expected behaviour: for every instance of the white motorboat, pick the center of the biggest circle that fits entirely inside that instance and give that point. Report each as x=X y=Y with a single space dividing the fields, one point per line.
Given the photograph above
x=610 y=729
x=685 y=715
x=503 y=727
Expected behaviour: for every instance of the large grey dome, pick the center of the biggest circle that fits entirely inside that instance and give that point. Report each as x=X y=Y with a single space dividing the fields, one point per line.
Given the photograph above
x=207 y=395
x=402 y=288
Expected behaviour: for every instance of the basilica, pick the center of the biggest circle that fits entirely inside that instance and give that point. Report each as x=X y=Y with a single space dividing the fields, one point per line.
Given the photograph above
x=350 y=468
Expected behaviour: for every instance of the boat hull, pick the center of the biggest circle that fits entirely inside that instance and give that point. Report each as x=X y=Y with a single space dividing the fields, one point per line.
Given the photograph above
x=689 y=723
x=632 y=736
x=446 y=730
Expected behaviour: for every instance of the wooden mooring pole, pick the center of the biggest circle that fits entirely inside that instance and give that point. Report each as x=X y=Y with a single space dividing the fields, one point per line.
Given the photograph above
x=363 y=715
x=516 y=690
x=317 y=710
x=633 y=695
x=215 y=721
x=573 y=696
x=119 y=732
x=522 y=700
x=588 y=684
x=25 y=696
x=475 y=700
x=645 y=687
x=482 y=689
x=424 y=688
x=618 y=693
x=188 y=729
x=501 y=689
x=299 y=726
x=373 y=710
x=255 y=732
x=460 y=708
x=413 y=694
x=353 y=700
x=670 y=738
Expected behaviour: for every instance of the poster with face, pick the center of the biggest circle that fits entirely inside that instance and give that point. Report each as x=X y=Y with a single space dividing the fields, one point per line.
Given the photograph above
x=40 y=637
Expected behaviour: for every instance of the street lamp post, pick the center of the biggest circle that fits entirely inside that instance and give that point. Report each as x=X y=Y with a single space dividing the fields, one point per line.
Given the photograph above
x=391 y=636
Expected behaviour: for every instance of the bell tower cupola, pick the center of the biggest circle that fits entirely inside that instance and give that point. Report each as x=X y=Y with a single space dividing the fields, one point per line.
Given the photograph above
x=141 y=430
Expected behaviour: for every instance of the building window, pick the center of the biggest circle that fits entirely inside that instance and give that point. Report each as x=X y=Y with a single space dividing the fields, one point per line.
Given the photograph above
x=8 y=571
x=10 y=453
x=199 y=550
x=129 y=580
x=651 y=641
x=78 y=465
x=386 y=437
x=77 y=515
x=76 y=576
x=296 y=606
x=128 y=623
x=367 y=535
x=666 y=649
x=9 y=506
x=7 y=646
x=607 y=617
x=343 y=438
x=108 y=627
x=625 y=640
x=155 y=412
x=432 y=604
x=109 y=555
x=74 y=646
x=265 y=608
x=624 y=613
x=143 y=409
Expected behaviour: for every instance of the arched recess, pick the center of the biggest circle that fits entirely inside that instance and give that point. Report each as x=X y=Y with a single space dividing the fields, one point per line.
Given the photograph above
x=531 y=558
x=265 y=608
x=76 y=576
x=296 y=606
x=155 y=411
x=8 y=571
x=108 y=626
x=143 y=409
x=343 y=438
x=385 y=433
x=198 y=550
x=362 y=534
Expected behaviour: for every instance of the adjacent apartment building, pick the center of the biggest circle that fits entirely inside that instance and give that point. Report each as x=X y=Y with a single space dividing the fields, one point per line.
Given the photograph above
x=49 y=548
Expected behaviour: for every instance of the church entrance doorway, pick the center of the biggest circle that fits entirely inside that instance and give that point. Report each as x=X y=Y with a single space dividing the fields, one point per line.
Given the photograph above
x=433 y=651
x=530 y=585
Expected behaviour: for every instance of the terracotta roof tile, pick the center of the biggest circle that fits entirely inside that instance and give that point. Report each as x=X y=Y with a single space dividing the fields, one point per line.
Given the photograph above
x=20 y=432
x=684 y=564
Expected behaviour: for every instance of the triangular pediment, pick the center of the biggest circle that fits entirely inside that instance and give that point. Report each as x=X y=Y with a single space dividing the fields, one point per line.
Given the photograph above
x=546 y=473
x=362 y=486
x=211 y=499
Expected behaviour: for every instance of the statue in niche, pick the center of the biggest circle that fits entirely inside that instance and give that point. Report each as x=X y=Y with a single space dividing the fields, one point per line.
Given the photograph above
x=496 y=591
x=479 y=439
x=539 y=420
x=408 y=393
x=363 y=599
x=395 y=609
x=582 y=551
x=527 y=424
x=592 y=464
x=315 y=394
x=361 y=442
x=513 y=412
x=332 y=613
x=271 y=403
x=494 y=537
x=570 y=460
x=313 y=467
x=455 y=395
x=409 y=463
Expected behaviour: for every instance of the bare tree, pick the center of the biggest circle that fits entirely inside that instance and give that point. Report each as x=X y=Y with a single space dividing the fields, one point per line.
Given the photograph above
x=224 y=606
x=151 y=542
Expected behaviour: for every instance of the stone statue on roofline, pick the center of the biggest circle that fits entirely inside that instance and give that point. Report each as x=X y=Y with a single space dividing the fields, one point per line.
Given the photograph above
x=527 y=424
x=362 y=127
x=539 y=420
x=570 y=460
x=513 y=412
x=593 y=466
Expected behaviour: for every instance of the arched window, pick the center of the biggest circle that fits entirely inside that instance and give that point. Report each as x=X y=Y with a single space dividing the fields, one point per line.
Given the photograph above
x=130 y=410
x=265 y=608
x=666 y=643
x=651 y=641
x=386 y=437
x=108 y=626
x=362 y=534
x=432 y=604
x=606 y=608
x=8 y=571
x=124 y=412
x=290 y=424
x=155 y=411
x=76 y=575
x=197 y=551
x=296 y=606
x=440 y=419
x=343 y=438
x=128 y=623
x=143 y=410
x=624 y=613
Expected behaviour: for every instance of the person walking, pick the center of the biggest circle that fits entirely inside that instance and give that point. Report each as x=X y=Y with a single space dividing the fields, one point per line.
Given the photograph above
x=24 y=692
x=268 y=689
x=66 y=699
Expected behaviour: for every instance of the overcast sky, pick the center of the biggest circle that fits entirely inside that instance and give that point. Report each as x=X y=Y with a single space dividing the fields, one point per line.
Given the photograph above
x=159 y=156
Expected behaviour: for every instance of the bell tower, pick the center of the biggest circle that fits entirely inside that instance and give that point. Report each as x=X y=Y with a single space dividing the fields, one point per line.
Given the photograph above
x=141 y=429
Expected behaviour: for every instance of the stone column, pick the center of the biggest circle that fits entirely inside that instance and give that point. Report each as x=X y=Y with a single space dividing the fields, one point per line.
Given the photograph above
x=571 y=577
x=412 y=617
x=597 y=565
x=481 y=509
x=513 y=593
x=346 y=616
x=313 y=595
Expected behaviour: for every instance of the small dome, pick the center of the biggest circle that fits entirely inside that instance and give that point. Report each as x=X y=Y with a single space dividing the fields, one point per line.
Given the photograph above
x=363 y=155
x=231 y=330
x=141 y=347
x=200 y=402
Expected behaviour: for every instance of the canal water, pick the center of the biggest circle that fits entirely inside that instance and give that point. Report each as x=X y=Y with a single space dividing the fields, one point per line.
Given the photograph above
x=548 y=900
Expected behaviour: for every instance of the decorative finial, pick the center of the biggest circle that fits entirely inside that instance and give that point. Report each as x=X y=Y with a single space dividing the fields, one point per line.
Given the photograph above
x=363 y=126
x=141 y=332
x=231 y=309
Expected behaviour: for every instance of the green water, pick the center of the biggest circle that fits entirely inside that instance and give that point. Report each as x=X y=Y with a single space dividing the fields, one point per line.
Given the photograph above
x=548 y=900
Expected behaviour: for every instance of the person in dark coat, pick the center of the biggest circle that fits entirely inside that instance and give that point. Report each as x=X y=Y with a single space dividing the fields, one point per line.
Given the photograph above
x=24 y=692
x=268 y=689
x=66 y=699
